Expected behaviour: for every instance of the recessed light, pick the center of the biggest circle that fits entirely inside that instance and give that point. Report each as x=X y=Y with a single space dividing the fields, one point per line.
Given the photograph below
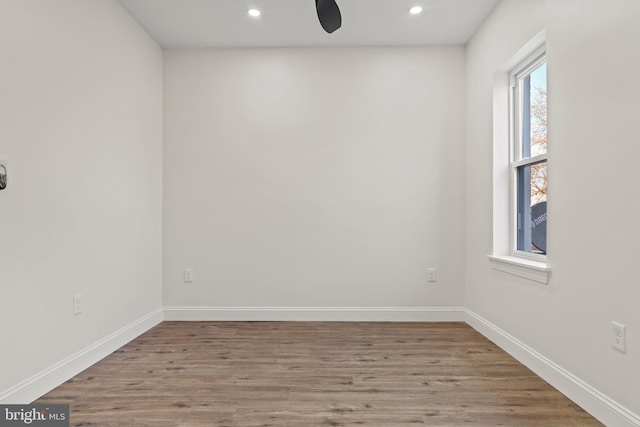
x=254 y=13
x=415 y=10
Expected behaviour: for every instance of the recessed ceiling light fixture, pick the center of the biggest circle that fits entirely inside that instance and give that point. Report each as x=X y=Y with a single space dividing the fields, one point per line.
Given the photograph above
x=254 y=13
x=415 y=10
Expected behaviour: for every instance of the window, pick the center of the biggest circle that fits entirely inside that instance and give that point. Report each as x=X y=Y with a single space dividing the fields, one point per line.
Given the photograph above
x=520 y=164
x=528 y=146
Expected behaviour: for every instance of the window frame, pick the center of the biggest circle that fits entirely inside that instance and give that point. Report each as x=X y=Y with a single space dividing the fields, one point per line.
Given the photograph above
x=516 y=160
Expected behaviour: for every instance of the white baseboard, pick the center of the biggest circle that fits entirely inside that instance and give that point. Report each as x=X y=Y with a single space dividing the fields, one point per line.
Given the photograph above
x=591 y=400
x=43 y=382
x=326 y=314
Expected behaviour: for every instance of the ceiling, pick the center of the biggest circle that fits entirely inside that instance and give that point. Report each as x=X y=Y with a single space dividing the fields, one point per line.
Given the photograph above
x=294 y=23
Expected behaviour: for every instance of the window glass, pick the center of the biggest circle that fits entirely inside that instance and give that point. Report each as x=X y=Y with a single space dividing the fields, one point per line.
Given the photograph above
x=532 y=208
x=530 y=162
x=534 y=112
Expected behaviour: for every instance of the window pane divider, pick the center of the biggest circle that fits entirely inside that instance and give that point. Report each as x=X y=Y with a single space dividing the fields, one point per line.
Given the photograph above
x=530 y=160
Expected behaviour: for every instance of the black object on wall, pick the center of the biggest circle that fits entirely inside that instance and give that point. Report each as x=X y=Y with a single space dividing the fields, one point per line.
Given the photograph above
x=3 y=176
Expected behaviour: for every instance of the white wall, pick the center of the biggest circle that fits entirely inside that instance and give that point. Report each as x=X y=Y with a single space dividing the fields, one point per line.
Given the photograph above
x=314 y=177
x=593 y=64
x=308 y=178
x=81 y=125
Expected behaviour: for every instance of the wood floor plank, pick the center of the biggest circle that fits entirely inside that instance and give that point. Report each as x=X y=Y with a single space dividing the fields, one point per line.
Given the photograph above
x=313 y=374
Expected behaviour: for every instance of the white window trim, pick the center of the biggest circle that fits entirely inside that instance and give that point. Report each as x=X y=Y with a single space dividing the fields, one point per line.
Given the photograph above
x=518 y=266
x=523 y=68
x=533 y=267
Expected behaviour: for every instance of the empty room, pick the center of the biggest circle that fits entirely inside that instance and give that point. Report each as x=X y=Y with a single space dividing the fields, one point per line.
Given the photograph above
x=319 y=213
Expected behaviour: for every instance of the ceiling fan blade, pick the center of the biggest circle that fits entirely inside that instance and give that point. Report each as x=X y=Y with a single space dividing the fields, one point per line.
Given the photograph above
x=329 y=15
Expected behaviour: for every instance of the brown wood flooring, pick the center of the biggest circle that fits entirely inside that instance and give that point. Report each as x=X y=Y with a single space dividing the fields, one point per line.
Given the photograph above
x=313 y=374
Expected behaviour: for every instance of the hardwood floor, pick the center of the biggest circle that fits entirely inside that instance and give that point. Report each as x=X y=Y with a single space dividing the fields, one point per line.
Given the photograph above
x=313 y=374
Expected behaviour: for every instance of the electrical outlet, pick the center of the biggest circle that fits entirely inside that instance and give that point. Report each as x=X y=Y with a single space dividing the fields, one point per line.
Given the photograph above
x=432 y=275
x=619 y=337
x=188 y=274
x=77 y=304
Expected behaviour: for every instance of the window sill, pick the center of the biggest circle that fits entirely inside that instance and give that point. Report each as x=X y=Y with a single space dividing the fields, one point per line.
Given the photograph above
x=533 y=270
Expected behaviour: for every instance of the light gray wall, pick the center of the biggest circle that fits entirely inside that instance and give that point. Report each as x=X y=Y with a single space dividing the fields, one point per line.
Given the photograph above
x=314 y=177
x=593 y=64
x=308 y=178
x=81 y=125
